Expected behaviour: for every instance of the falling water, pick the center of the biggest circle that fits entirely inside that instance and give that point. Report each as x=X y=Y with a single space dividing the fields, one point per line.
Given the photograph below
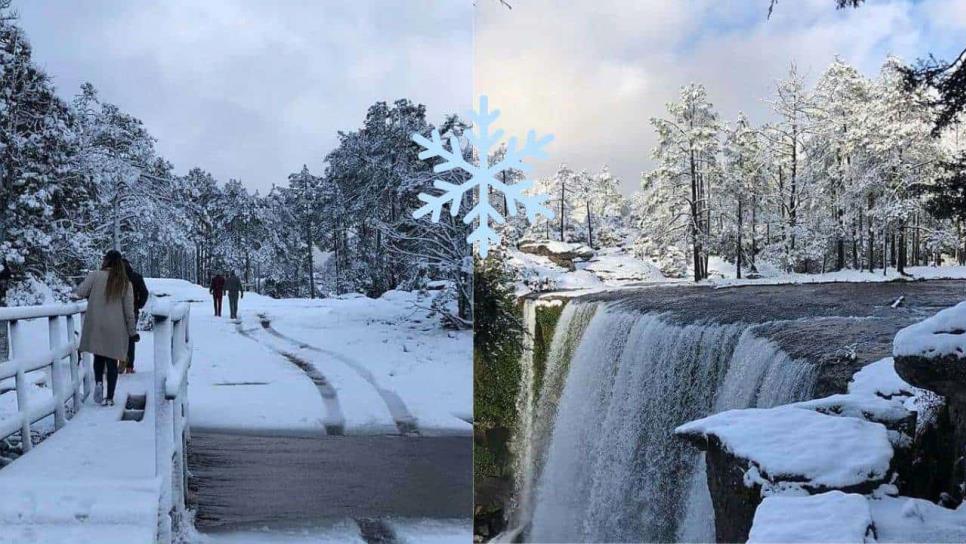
x=537 y=420
x=760 y=375
x=603 y=465
x=523 y=435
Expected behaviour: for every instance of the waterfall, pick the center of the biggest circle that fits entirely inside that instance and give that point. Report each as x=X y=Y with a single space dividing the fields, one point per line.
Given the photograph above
x=522 y=445
x=536 y=420
x=602 y=464
x=760 y=375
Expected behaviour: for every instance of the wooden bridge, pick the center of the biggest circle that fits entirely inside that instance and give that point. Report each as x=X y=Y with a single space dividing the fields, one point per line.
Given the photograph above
x=85 y=472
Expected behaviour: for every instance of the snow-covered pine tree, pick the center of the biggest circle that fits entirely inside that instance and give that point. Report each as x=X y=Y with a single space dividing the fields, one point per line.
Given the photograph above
x=112 y=150
x=841 y=96
x=35 y=192
x=792 y=103
x=677 y=193
x=742 y=185
x=305 y=193
x=903 y=157
x=561 y=190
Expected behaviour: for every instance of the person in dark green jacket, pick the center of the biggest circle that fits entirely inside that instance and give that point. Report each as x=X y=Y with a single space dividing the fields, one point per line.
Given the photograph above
x=234 y=287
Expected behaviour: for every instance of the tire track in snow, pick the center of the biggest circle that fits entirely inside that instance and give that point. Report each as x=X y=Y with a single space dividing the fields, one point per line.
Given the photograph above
x=404 y=419
x=334 y=419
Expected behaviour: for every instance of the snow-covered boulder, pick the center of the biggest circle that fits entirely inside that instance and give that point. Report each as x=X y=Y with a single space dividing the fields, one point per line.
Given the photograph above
x=880 y=379
x=787 y=444
x=755 y=453
x=615 y=265
x=561 y=253
x=942 y=336
x=931 y=355
x=833 y=516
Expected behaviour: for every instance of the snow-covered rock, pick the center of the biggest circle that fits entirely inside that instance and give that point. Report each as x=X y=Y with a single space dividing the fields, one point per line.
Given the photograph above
x=833 y=516
x=561 y=253
x=930 y=355
x=614 y=265
x=789 y=444
x=880 y=379
x=941 y=336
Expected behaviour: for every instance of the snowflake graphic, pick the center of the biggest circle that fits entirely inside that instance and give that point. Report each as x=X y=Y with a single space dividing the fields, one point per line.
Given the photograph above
x=483 y=176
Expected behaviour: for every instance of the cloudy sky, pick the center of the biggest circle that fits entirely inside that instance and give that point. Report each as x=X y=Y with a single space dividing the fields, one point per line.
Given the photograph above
x=252 y=89
x=594 y=73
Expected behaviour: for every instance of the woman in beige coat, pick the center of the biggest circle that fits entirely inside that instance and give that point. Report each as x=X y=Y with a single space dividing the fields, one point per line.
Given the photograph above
x=109 y=322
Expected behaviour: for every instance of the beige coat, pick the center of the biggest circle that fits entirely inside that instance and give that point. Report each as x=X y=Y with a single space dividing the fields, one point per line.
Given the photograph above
x=108 y=324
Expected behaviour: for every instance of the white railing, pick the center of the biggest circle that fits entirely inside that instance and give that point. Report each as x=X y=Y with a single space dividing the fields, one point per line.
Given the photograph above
x=172 y=358
x=32 y=365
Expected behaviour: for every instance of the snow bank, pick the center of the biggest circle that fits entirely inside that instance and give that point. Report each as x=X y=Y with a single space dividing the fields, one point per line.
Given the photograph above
x=941 y=335
x=880 y=379
x=795 y=444
x=771 y=276
x=827 y=517
x=903 y=519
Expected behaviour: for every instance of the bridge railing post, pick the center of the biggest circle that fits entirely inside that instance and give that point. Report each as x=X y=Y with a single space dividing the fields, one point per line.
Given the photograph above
x=162 y=362
x=20 y=380
x=55 y=374
x=75 y=375
x=172 y=359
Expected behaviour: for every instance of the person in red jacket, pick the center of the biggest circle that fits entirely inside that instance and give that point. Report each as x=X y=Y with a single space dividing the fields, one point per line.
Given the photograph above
x=217 y=290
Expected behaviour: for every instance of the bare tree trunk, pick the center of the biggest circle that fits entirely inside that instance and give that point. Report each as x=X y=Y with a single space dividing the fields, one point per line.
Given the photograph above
x=738 y=244
x=871 y=234
x=116 y=238
x=311 y=259
x=792 y=204
x=563 y=198
x=696 y=245
x=754 y=233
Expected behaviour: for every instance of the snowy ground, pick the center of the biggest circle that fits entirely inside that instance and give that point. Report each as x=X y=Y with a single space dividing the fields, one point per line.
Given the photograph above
x=615 y=267
x=242 y=381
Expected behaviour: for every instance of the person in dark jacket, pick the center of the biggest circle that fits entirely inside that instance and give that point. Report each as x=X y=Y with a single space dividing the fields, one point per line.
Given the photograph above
x=234 y=287
x=217 y=290
x=140 y=299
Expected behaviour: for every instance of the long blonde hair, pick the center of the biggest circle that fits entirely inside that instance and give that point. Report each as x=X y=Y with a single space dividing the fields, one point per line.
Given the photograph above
x=117 y=275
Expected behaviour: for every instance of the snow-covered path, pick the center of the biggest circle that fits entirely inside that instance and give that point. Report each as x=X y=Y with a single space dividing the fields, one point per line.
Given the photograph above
x=387 y=367
x=93 y=480
x=325 y=420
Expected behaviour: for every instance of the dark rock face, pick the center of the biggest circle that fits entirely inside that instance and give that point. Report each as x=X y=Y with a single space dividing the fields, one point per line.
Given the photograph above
x=492 y=491
x=945 y=376
x=734 y=502
x=941 y=448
